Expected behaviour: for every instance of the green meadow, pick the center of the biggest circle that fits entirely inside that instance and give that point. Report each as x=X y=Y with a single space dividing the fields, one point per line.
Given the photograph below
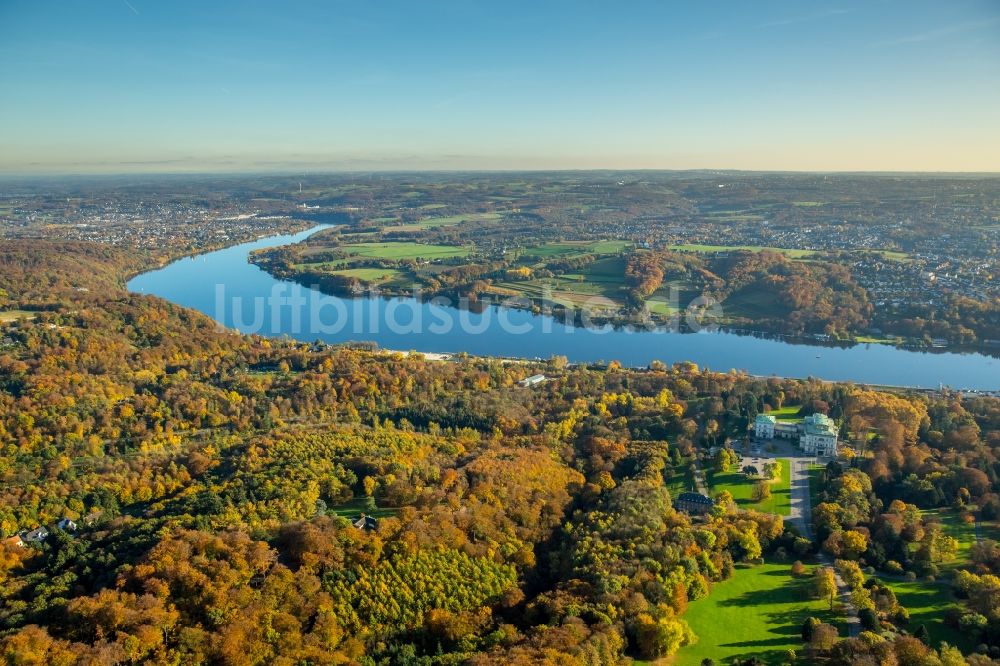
x=715 y=249
x=758 y=612
x=371 y=274
x=447 y=221
x=572 y=248
x=788 y=413
x=926 y=603
x=397 y=250
x=741 y=488
x=14 y=315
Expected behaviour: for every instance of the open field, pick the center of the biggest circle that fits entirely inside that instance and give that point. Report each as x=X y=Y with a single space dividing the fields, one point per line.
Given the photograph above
x=598 y=286
x=712 y=249
x=926 y=603
x=758 y=612
x=890 y=254
x=660 y=305
x=371 y=274
x=571 y=248
x=14 y=315
x=448 y=221
x=872 y=340
x=404 y=250
x=608 y=270
x=320 y=265
x=741 y=488
x=752 y=302
x=788 y=252
x=561 y=292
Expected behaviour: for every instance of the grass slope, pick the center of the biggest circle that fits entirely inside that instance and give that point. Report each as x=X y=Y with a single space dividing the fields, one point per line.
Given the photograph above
x=926 y=603
x=758 y=612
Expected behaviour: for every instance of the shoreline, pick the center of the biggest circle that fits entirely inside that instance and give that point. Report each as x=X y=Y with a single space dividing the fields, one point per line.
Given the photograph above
x=626 y=353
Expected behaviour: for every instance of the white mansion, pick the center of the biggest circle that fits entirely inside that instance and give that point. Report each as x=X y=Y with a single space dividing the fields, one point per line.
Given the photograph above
x=817 y=433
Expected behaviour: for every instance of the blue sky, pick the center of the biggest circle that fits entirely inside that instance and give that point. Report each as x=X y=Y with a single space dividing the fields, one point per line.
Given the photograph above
x=125 y=85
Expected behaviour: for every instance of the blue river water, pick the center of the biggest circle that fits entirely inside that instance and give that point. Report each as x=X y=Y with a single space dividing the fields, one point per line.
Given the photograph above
x=226 y=286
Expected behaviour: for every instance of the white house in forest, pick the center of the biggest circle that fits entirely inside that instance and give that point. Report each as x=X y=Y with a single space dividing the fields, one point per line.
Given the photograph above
x=816 y=434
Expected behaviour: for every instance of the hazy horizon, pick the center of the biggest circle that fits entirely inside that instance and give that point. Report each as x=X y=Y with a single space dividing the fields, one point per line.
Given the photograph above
x=131 y=86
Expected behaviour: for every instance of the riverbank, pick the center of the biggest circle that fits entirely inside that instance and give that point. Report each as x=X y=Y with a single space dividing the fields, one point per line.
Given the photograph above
x=240 y=295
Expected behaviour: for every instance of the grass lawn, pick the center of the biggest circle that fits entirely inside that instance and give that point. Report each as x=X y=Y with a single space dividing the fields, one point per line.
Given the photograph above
x=713 y=249
x=789 y=413
x=891 y=255
x=404 y=250
x=371 y=274
x=609 y=270
x=14 y=315
x=356 y=506
x=926 y=603
x=661 y=305
x=758 y=612
x=814 y=484
x=575 y=248
x=953 y=526
x=741 y=488
x=681 y=481
x=871 y=340
x=449 y=221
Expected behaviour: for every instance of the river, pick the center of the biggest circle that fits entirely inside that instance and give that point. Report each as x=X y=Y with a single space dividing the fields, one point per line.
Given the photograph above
x=238 y=294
